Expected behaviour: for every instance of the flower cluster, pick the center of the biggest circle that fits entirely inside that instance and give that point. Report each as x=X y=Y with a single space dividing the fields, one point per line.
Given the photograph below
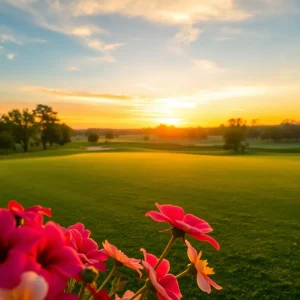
x=41 y=260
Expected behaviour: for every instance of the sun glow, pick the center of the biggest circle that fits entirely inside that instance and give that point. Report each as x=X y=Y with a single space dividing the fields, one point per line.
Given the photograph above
x=169 y=121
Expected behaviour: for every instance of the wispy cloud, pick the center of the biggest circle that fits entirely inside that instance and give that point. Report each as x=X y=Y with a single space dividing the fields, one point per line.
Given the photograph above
x=72 y=69
x=101 y=46
x=59 y=17
x=75 y=94
x=187 y=35
x=207 y=66
x=7 y=35
x=10 y=56
x=101 y=59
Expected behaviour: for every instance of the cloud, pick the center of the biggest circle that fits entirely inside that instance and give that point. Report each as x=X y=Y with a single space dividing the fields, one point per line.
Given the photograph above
x=72 y=69
x=185 y=36
x=101 y=46
x=7 y=35
x=86 y=30
x=164 y=11
x=76 y=94
x=10 y=56
x=207 y=66
x=59 y=17
x=101 y=59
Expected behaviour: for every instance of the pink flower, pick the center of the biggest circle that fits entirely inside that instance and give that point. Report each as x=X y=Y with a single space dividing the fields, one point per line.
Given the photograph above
x=53 y=259
x=128 y=294
x=15 y=243
x=120 y=257
x=32 y=286
x=32 y=216
x=86 y=247
x=101 y=295
x=174 y=215
x=204 y=282
x=166 y=285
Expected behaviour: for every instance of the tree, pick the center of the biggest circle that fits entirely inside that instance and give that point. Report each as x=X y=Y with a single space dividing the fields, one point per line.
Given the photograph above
x=66 y=133
x=93 y=137
x=23 y=126
x=253 y=131
x=146 y=138
x=47 y=118
x=109 y=135
x=235 y=135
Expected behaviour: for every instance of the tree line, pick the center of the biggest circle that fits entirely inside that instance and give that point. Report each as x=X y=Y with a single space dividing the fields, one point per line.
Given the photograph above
x=33 y=128
x=237 y=132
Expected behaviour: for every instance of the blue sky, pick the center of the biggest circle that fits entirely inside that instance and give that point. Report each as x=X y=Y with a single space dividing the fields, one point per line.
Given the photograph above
x=132 y=63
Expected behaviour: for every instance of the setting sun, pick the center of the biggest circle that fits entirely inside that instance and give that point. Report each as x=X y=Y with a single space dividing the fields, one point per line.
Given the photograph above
x=170 y=121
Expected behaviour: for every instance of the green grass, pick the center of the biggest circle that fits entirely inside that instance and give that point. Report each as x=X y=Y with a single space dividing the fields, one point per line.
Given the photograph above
x=252 y=202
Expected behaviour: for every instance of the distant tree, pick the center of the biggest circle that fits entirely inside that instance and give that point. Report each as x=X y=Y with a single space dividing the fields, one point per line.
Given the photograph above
x=47 y=118
x=253 y=131
x=272 y=133
x=6 y=139
x=109 y=135
x=235 y=135
x=93 y=137
x=66 y=133
x=146 y=138
x=23 y=126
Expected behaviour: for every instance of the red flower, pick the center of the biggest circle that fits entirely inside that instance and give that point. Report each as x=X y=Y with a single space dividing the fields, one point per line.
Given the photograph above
x=15 y=243
x=53 y=259
x=166 y=285
x=32 y=216
x=174 y=215
x=86 y=247
x=101 y=295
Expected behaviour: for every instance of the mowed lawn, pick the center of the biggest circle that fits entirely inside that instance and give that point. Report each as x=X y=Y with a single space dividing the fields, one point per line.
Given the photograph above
x=252 y=202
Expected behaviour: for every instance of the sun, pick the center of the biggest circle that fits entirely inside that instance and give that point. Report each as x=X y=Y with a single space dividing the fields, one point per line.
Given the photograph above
x=169 y=121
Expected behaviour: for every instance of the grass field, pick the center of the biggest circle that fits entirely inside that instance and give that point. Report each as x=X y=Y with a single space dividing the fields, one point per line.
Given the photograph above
x=252 y=202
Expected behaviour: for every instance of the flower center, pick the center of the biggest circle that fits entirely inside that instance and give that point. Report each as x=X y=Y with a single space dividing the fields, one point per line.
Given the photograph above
x=177 y=233
x=3 y=254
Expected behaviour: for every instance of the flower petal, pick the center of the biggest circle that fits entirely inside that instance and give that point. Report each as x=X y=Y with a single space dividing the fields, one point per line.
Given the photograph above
x=171 y=211
x=206 y=238
x=158 y=217
x=170 y=284
x=212 y=283
x=203 y=283
x=197 y=223
x=191 y=252
x=163 y=269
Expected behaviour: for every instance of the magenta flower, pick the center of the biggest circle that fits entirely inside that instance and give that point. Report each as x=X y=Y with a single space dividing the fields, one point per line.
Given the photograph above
x=86 y=247
x=53 y=259
x=174 y=215
x=15 y=243
x=32 y=216
x=165 y=285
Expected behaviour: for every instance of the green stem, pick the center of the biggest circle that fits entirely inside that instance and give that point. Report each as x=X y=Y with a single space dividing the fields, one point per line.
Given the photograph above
x=140 y=291
x=107 y=278
x=168 y=247
x=81 y=293
x=182 y=274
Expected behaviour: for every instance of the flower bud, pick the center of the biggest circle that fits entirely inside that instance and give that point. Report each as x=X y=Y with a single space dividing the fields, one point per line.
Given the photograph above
x=89 y=275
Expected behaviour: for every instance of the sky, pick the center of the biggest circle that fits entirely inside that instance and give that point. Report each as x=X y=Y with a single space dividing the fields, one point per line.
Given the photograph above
x=139 y=63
